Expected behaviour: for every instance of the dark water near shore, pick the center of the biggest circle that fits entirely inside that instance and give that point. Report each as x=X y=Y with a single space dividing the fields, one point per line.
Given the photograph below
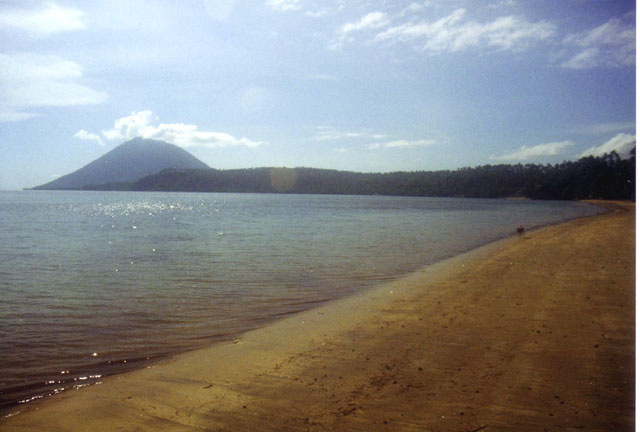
x=97 y=283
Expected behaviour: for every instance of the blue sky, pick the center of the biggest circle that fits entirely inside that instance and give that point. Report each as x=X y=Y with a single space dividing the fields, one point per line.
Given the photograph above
x=369 y=86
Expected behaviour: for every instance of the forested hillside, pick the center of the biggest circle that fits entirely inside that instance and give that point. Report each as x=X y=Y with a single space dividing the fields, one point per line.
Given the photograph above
x=605 y=177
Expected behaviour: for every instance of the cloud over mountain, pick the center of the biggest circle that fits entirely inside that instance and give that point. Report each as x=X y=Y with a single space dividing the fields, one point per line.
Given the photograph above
x=536 y=151
x=622 y=144
x=139 y=124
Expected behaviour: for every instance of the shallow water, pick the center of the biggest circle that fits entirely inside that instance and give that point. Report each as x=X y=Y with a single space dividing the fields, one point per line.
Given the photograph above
x=96 y=283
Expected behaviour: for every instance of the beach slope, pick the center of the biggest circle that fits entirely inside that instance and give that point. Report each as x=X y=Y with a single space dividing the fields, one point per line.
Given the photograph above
x=533 y=333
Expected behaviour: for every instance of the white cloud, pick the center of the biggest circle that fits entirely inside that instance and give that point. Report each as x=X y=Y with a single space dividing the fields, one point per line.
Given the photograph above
x=138 y=124
x=402 y=144
x=454 y=33
x=540 y=150
x=371 y=20
x=49 y=19
x=130 y=126
x=324 y=8
x=185 y=135
x=501 y=4
x=317 y=14
x=14 y=116
x=413 y=8
x=38 y=80
x=284 y=5
x=622 y=144
x=612 y=44
x=326 y=133
x=407 y=143
x=88 y=136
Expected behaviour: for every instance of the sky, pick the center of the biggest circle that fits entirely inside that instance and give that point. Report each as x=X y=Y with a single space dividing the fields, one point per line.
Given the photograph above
x=361 y=85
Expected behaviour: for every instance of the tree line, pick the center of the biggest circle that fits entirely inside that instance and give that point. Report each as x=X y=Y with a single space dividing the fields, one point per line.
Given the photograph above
x=605 y=177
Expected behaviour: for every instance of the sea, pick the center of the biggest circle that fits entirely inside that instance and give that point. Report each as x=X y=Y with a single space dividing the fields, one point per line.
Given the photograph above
x=98 y=283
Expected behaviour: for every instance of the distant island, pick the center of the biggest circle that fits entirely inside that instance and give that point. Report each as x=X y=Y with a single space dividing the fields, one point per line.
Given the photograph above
x=166 y=167
x=127 y=163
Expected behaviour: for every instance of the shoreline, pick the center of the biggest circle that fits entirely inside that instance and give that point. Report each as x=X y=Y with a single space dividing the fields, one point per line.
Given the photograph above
x=89 y=370
x=365 y=363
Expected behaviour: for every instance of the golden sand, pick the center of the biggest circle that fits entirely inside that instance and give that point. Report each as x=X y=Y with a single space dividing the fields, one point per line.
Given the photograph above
x=531 y=333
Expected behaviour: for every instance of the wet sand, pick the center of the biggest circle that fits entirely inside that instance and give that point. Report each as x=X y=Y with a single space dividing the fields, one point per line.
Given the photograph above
x=532 y=333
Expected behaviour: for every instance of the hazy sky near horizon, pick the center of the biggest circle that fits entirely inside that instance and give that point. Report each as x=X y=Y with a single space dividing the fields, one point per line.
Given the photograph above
x=355 y=85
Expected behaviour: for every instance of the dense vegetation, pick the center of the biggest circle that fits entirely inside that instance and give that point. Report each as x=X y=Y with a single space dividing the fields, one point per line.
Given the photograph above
x=605 y=177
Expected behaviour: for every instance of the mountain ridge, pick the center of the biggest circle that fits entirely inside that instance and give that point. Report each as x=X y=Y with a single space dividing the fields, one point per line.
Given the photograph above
x=605 y=177
x=128 y=162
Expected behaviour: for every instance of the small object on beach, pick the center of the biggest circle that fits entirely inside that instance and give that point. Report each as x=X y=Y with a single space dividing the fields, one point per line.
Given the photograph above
x=94 y=354
x=520 y=230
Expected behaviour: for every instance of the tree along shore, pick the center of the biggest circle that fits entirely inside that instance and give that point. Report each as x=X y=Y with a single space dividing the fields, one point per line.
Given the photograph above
x=606 y=177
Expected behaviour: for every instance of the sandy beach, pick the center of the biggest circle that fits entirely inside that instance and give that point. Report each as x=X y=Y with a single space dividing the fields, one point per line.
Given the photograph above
x=531 y=333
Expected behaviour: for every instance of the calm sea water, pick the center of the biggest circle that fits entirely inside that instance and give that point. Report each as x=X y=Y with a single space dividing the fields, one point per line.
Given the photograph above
x=97 y=283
